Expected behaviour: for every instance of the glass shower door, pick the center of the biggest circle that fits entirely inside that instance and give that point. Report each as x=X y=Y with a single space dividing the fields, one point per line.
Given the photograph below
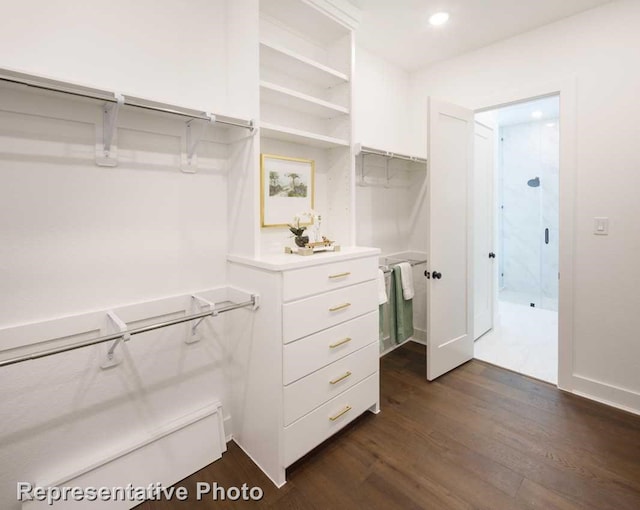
x=529 y=214
x=522 y=245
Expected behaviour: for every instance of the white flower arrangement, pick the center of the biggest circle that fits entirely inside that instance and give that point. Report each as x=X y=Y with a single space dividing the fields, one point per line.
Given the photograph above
x=312 y=217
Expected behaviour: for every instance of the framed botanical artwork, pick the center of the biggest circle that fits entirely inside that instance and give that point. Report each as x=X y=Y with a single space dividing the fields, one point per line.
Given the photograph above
x=286 y=188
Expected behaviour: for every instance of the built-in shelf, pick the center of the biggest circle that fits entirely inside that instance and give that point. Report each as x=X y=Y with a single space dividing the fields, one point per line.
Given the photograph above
x=288 y=134
x=285 y=61
x=306 y=19
x=281 y=96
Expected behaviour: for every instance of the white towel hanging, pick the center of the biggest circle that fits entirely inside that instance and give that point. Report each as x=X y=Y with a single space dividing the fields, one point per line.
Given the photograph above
x=382 y=288
x=406 y=277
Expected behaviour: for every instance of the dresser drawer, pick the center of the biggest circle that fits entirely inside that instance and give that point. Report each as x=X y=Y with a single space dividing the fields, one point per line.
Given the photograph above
x=308 y=393
x=305 y=282
x=309 y=431
x=320 y=349
x=306 y=316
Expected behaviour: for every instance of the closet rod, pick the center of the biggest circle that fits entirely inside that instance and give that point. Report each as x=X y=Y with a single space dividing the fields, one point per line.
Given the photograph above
x=391 y=155
x=130 y=332
x=102 y=95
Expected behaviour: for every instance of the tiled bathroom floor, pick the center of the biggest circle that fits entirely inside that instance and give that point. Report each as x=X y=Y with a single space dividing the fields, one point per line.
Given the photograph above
x=521 y=298
x=524 y=340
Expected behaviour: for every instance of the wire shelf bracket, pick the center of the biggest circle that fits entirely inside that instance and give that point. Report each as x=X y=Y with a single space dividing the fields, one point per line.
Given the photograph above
x=106 y=143
x=198 y=304
x=196 y=130
x=113 y=355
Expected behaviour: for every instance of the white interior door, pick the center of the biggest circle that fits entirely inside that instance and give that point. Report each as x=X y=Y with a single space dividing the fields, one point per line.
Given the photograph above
x=450 y=255
x=483 y=241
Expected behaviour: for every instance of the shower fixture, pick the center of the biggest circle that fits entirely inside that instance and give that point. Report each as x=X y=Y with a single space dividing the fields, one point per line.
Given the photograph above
x=534 y=183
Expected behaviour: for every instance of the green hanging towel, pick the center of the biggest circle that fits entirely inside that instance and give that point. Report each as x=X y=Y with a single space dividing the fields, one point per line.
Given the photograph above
x=403 y=309
x=388 y=316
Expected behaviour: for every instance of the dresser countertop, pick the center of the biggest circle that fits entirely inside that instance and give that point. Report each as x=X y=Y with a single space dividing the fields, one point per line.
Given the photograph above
x=286 y=262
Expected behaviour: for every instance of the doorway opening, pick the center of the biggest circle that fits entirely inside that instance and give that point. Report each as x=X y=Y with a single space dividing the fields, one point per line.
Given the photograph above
x=525 y=263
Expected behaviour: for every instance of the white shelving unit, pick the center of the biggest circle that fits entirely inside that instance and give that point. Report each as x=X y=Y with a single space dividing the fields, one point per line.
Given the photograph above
x=302 y=16
x=303 y=103
x=292 y=135
x=306 y=69
x=286 y=61
x=304 y=385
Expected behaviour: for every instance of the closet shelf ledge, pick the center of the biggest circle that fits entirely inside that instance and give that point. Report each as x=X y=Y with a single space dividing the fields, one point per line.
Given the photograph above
x=288 y=134
x=282 y=59
x=278 y=95
x=75 y=89
x=364 y=150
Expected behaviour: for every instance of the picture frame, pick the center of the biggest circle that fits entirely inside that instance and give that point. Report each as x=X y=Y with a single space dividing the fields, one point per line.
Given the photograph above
x=287 y=187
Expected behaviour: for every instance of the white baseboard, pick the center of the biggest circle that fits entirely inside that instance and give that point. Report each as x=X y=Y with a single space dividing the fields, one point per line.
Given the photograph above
x=419 y=336
x=228 y=428
x=620 y=398
x=277 y=484
x=166 y=456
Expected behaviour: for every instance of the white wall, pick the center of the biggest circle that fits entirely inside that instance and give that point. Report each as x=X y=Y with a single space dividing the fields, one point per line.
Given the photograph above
x=76 y=237
x=175 y=58
x=387 y=213
x=381 y=105
x=390 y=213
x=599 y=49
x=243 y=97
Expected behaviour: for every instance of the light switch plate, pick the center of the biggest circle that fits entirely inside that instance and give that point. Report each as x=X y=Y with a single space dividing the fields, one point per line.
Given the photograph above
x=601 y=226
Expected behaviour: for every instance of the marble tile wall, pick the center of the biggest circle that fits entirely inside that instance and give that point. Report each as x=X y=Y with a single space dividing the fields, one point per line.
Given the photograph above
x=528 y=266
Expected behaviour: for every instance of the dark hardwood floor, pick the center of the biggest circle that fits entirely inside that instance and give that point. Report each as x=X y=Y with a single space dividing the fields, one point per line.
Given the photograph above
x=478 y=437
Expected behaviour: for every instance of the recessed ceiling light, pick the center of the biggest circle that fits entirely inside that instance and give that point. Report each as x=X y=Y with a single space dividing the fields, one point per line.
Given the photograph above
x=537 y=114
x=439 y=18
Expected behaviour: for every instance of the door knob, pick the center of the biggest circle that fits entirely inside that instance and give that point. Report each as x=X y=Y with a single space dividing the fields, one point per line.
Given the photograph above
x=436 y=275
x=492 y=255
x=427 y=274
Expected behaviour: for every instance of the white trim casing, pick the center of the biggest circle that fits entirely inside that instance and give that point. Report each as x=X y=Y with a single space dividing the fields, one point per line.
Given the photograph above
x=568 y=139
x=568 y=379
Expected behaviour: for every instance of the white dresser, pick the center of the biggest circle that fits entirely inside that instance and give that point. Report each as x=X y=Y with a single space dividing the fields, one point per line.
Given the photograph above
x=308 y=364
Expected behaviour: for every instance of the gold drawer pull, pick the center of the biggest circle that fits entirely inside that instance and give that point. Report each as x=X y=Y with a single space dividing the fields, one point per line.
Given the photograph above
x=341 y=342
x=339 y=275
x=340 y=307
x=341 y=378
x=344 y=411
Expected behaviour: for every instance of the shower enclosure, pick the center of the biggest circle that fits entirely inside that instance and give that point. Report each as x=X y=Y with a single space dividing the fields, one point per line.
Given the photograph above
x=528 y=213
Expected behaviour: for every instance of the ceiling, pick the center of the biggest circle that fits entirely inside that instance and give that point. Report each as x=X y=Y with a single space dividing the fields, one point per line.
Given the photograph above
x=398 y=30
x=546 y=110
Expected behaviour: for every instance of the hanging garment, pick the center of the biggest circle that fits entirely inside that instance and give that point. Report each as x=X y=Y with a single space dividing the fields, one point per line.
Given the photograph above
x=403 y=308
